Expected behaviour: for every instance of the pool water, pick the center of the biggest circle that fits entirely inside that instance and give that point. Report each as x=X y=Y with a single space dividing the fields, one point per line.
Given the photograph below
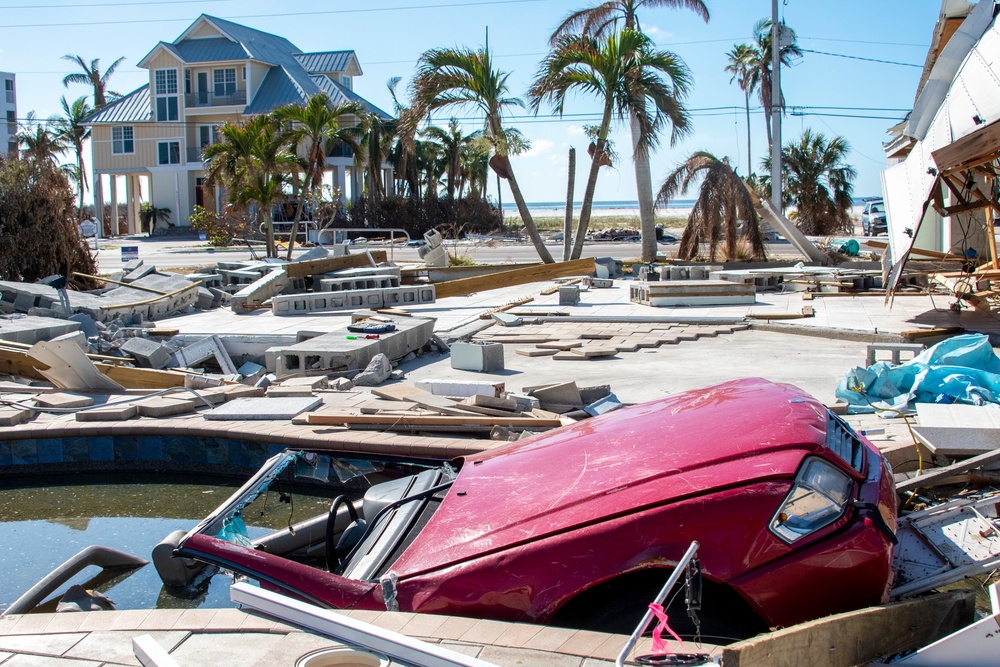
x=43 y=526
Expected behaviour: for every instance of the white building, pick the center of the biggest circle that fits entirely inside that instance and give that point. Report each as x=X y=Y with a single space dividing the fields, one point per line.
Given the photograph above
x=8 y=113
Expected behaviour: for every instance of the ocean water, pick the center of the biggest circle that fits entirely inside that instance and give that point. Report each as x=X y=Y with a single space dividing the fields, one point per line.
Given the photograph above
x=511 y=207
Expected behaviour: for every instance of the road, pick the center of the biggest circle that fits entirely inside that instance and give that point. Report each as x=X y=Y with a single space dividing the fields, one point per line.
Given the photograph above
x=173 y=254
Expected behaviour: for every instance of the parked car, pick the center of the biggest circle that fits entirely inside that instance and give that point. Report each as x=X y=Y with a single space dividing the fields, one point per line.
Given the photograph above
x=873 y=220
x=581 y=526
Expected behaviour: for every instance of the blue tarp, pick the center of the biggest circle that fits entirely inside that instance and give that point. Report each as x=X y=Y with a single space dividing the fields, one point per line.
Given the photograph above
x=963 y=369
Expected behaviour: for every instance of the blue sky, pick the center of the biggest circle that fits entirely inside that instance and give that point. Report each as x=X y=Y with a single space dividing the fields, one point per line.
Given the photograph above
x=389 y=36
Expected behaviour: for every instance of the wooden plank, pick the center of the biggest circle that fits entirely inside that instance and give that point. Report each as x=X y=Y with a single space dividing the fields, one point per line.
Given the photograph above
x=934 y=254
x=328 y=264
x=376 y=405
x=937 y=476
x=857 y=637
x=531 y=274
x=399 y=392
x=971 y=150
x=16 y=362
x=142 y=378
x=335 y=419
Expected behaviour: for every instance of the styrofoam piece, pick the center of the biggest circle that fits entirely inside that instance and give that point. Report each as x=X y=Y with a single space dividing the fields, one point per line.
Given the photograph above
x=246 y=409
x=151 y=654
x=959 y=415
x=461 y=388
x=481 y=357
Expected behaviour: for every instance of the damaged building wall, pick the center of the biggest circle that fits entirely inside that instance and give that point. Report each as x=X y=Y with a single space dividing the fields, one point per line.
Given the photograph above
x=961 y=93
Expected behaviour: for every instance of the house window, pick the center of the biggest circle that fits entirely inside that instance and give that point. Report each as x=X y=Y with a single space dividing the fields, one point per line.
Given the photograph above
x=169 y=152
x=8 y=85
x=187 y=82
x=225 y=81
x=346 y=80
x=11 y=122
x=166 y=94
x=244 y=73
x=208 y=135
x=122 y=140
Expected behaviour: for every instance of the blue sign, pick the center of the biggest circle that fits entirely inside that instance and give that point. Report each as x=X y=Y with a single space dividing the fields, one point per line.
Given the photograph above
x=130 y=253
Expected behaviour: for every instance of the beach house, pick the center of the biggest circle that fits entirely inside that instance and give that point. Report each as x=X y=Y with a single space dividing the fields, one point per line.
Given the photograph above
x=215 y=72
x=8 y=112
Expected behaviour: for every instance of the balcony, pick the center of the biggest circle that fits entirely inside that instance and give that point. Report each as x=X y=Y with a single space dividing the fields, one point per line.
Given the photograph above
x=209 y=99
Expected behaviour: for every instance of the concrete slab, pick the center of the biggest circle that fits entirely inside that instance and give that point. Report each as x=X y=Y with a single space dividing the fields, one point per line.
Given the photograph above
x=958 y=415
x=116 y=647
x=691 y=293
x=242 y=409
x=63 y=400
x=31 y=329
x=958 y=442
x=12 y=416
x=111 y=413
x=167 y=406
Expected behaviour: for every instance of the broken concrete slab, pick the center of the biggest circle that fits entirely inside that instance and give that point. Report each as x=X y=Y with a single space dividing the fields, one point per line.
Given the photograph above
x=111 y=413
x=147 y=353
x=256 y=293
x=29 y=330
x=210 y=347
x=564 y=393
x=481 y=357
x=310 y=382
x=691 y=293
x=243 y=409
x=461 y=388
x=505 y=320
x=279 y=391
x=376 y=372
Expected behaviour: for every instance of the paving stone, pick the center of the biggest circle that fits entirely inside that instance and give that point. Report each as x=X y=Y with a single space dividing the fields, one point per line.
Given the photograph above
x=288 y=392
x=11 y=416
x=565 y=393
x=534 y=352
x=229 y=649
x=166 y=406
x=309 y=382
x=55 y=644
x=242 y=409
x=502 y=655
x=112 y=413
x=594 y=352
x=63 y=400
x=235 y=391
x=46 y=661
x=560 y=345
x=116 y=647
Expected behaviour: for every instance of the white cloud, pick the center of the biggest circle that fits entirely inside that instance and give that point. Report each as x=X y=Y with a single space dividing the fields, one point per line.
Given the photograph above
x=575 y=131
x=540 y=147
x=656 y=33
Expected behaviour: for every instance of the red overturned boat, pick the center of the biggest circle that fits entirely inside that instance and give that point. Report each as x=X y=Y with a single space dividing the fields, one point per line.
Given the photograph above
x=581 y=526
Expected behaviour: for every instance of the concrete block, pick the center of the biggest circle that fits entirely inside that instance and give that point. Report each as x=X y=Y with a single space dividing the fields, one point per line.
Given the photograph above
x=167 y=406
x=138 y=273
x=86 y=322
x=280 y=391
x=196 y=353
x=358 y=271
x=63 y=400
x=564 y=393
x=77 y=337
x=482 y=357
x=569 y=295
x=30 y=330
x=691 y=293
x=612 y=267
x=505 y=320
x=247 y=409
x=147 y=353
x=433 y=238
x=206 y=299
x=436 y=257
x=111 y=413
x=259 y=291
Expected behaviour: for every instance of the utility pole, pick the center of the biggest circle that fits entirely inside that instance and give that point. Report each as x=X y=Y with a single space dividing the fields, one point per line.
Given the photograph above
x=775 y=107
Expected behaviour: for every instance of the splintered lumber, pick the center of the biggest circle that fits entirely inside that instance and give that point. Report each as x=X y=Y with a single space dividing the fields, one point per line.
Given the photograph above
x=531 y=274
x=327 y=264
x=857 y=637
x=399 y=392
x=334 y=419
x=16 y=362
x=934 y=254
x=937 y=476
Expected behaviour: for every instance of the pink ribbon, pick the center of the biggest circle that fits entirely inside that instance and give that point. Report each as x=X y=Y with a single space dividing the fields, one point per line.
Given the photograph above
x=660 y=646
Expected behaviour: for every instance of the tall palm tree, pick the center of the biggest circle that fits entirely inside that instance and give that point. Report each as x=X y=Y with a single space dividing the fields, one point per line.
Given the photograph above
x=599 y=20
x=631 y=78
x=724 y=205
x=760 y=67
x=819 y=182
x=253 y=161
x=403 y=154
x=70 y=129
x=41 y=144
x=742 y=60
x=315 y=129
x=90 y=75
x=448 y=78
x=475 y=168
x=430 y=166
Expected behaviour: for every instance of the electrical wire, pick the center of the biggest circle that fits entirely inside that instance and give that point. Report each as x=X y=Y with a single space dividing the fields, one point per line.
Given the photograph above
x=871 y=60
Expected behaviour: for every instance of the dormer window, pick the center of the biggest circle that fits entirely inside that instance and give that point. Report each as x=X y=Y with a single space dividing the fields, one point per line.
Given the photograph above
x=346 y=80
x=165 y=89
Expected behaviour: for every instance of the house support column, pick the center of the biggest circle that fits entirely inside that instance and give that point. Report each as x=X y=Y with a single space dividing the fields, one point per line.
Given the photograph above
x=390 y=182
x=130 y=204
x=114 y=205
x=98 y=181
x=357 y=183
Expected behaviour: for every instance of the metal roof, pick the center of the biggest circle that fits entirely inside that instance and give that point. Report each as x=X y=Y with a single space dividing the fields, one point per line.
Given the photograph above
x=208 y=50
x=328 y=61
x=351 y=96
x=132 y=108
x=276 y=90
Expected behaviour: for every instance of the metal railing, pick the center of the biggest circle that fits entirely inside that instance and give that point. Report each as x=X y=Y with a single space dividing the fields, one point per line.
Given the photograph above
x=210 y=99
x=328 y=236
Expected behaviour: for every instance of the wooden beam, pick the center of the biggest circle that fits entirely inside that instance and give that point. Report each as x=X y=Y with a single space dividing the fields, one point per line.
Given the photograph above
x=334 y=419
x=328 y=264
x=970 y=151
x=934 y=254
x=142 y=378
x=524 y=276
x=857 y=637
x=16 y=362
x=936 y=476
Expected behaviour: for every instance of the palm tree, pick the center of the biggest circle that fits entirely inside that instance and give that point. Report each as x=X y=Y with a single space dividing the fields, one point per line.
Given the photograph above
x=70 y=129
x=760 y=67
x=819 y=182
x=600 y=20
x=253 y=161
x=91 y=76
x=475 y=168
x=373 y=149
x=430 y=166
x=724 y=205
x=742 y=60
x=315 y=129
x=452 y=142
x=447 y=78
x=403 y=154
x=632 y=79
x=40 y=143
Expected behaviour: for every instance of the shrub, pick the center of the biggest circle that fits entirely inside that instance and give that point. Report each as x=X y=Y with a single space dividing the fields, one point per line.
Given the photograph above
x=221 y=229
x=416 y=216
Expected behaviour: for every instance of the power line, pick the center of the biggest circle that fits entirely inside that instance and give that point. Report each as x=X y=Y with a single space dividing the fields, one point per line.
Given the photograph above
x=863 y=41
x=366 y=10
x=114 y=4
x=871 y=60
